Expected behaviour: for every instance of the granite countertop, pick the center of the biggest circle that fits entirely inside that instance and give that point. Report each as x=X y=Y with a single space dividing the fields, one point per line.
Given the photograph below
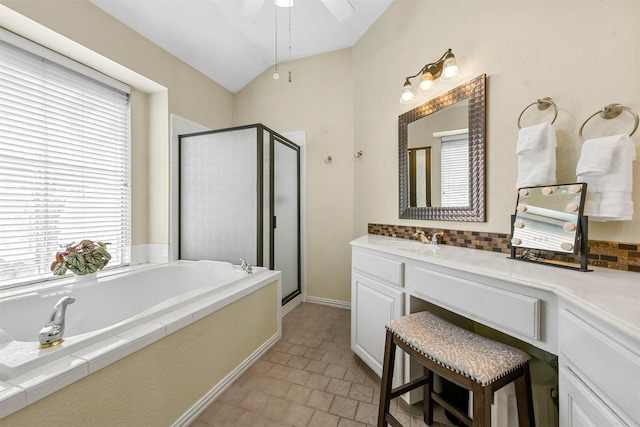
x=611 y=295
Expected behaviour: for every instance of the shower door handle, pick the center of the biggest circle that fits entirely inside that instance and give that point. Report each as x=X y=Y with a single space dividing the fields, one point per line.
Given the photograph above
x=274 y=222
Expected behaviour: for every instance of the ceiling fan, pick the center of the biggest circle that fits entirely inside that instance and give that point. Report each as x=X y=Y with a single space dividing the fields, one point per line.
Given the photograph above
x=340 y=9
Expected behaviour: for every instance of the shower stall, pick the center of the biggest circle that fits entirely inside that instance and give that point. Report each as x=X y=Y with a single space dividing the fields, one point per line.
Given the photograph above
x=239 y=197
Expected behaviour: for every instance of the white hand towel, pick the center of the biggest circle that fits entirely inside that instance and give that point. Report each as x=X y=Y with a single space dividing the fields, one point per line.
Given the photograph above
x=536 y=149
x=608 y=193
x=597 y=153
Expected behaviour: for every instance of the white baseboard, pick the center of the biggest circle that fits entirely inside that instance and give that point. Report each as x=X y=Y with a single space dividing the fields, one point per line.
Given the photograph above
x=329 y=302
x=199 y=407
x=286 y=309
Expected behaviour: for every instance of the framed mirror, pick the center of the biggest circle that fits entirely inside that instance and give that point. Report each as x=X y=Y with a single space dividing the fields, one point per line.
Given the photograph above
x=550 y=219
x=450 y=186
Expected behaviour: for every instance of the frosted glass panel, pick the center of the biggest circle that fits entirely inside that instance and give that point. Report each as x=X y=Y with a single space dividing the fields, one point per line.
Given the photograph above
x=286 y=212
x=218 y=196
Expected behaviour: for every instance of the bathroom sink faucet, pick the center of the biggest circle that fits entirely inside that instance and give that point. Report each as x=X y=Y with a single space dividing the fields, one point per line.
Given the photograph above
x=430 y=239
x=51 y=334
x=422 y=237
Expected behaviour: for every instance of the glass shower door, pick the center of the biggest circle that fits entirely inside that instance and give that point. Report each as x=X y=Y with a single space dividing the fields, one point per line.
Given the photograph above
x=286 y=213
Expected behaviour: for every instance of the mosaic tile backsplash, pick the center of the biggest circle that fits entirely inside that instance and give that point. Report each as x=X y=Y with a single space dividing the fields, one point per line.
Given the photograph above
x=614 y=255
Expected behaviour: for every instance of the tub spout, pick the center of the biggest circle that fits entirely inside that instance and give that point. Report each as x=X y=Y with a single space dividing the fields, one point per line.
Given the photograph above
x=246 y=267
x=51 y=334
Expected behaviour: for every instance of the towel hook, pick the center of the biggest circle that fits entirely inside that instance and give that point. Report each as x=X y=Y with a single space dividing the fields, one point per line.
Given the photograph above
x=543 y=104
x=358 y=154
x=328 y=160
x=611 y=111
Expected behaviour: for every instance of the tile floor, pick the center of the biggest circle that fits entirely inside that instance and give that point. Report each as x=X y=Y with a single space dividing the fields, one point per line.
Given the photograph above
x=310 y=378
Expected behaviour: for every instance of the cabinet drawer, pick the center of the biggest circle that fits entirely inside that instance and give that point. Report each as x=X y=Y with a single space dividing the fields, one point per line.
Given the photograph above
x=493 y=306
x=580 y=407
x=378 y=267
x=601 y=362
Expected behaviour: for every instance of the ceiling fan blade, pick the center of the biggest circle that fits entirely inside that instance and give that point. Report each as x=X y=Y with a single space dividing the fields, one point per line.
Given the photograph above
x=341 y=9
x=250 y=11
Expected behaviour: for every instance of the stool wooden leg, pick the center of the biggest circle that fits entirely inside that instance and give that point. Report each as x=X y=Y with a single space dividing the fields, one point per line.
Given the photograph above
x=427 y=402
x=387 y=378
x=524 y=398
x=481 y=406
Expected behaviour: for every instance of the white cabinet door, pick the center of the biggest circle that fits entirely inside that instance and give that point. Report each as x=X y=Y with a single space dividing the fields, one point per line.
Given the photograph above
x=373 y=305
x=581 y=407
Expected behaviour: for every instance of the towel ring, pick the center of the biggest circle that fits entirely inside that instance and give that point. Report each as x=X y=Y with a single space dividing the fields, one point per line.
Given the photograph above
x=543 y=104
x=611 y=111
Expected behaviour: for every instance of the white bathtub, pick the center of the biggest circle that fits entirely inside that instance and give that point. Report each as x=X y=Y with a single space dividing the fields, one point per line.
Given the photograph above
x=128 y=310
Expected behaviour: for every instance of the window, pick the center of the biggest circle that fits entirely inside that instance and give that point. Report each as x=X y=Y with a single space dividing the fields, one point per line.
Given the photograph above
x=64 y=160
x=455 y=170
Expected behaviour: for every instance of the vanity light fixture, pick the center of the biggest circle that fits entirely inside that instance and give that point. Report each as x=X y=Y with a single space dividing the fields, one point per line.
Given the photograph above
x=445 y=68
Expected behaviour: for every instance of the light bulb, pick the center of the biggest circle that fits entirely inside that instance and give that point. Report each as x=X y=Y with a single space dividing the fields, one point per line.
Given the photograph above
x=407 y=94
x=276 y=76
x=427 y=82
x=450 y=68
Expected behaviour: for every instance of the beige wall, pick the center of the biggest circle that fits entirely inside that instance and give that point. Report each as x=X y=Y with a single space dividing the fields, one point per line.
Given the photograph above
x=583 y=54
x=319 y=101
x=158 y=384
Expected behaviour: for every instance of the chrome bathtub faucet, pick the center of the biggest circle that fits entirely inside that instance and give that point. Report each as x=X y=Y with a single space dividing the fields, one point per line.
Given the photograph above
x=51 y=334
x=246 y=267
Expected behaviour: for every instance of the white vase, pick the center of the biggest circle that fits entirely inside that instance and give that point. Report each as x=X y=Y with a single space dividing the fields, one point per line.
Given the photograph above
x=91 y=277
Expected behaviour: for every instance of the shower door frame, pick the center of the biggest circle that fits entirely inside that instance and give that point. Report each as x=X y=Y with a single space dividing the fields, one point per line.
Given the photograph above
x=273 y=138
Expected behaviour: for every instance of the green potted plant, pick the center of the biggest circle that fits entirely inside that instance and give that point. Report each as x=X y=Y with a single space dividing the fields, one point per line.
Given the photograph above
x=84 y=258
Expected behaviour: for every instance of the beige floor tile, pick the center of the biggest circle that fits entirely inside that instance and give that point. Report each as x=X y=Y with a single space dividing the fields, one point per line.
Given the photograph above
x=310 y=378
x=361 y=392
x=275 y=387
x=338 y=387
x=320 y=400
x=344 y=422
x=318 y=382
x=298 y=362
x=298 y=394
x=367 y=413
x=316 y=366
x=323 y=419
x=335 y=371
x=298 y=415
x=225 y=415
x=298 y=376
x=343 y=407
x=314 y=353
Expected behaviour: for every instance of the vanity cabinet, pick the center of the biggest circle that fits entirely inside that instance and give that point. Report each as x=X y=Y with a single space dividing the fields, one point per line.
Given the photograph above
x=377 y=294
x=591 y=321
x=599 y=372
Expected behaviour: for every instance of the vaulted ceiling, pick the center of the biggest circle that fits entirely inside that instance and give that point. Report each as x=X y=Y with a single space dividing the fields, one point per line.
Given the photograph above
x=233 y=41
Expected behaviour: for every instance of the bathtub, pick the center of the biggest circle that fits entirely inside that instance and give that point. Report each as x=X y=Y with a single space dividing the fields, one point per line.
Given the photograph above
x=122 y=311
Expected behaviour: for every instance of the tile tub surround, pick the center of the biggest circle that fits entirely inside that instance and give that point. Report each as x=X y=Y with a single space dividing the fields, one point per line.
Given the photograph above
x=309 y=378
x=605 y=254
x=132 y=379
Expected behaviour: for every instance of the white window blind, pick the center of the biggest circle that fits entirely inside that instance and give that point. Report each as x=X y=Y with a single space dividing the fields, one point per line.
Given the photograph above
x=64 y=160
x=455 y=170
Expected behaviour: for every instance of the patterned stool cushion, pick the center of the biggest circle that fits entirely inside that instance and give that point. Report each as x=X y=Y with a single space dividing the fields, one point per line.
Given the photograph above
x=457 y=349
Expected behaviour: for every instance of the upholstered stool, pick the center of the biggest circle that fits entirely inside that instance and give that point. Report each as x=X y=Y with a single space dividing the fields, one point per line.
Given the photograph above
x=473 y=362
